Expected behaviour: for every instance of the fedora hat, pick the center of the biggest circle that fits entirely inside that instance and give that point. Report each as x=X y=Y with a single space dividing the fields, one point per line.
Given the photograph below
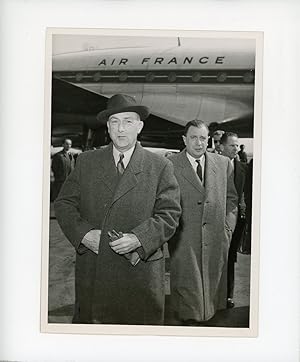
x=122 y=103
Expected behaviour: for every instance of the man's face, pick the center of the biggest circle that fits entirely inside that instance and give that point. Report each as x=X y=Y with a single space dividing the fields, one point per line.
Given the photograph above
x=217 y=142
x=123 y=129
x=196 y=141
x=231 y=147
x=67 y=145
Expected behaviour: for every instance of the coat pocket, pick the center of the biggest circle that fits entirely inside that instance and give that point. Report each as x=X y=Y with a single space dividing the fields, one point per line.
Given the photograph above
x=156 y=256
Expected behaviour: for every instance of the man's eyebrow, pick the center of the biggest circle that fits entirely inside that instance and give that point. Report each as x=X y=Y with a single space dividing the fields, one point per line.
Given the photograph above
x=129 y=117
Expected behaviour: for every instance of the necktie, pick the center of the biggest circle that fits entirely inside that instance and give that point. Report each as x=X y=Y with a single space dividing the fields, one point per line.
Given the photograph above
x=120 y=165
x=199 y=170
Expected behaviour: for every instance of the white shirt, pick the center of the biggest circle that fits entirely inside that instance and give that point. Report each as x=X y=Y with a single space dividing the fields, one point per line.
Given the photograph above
x=127 y=155
x=232 y=162
x=194 y=163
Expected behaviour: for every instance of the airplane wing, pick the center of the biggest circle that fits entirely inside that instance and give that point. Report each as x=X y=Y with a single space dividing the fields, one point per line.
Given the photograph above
x=74 y=111
x=243 y=126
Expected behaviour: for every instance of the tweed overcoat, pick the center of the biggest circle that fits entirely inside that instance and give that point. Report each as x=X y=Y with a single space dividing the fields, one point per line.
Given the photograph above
x=146 y=202
x=199 y=249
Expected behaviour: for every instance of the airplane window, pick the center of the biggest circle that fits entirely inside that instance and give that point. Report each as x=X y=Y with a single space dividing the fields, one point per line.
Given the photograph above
x=196 y=77
x=248 y=77
x=97 y=77
x=221 y=77
x=79 y=77
x=150 y=77
x=172 y=77
x=123 y=76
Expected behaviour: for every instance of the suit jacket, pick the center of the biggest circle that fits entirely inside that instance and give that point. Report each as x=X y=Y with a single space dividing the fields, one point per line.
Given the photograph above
x=145 y=202
x=199 y=249
x=62 y=165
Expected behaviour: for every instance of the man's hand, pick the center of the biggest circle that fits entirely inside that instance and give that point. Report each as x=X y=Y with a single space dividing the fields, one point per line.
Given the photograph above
x=126 y=244
x=91 y=240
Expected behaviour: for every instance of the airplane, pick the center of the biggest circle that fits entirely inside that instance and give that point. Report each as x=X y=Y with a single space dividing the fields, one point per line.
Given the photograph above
x=178 y=83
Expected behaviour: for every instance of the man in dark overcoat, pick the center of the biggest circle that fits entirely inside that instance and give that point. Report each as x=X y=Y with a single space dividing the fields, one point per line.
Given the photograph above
x=62 y=165
x=229 y=147
x=126 y=190
x=199 y=249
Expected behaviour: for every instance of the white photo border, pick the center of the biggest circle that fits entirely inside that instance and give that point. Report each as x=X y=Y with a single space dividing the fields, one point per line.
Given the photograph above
x=252 y=331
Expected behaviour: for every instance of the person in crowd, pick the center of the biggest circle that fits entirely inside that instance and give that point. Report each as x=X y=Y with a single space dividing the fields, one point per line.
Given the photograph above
x=242 y=154
x=118 y=208
x=229 y=148
x=62 y=165
x=199 y=248
x=216 y=138
x=245 y=247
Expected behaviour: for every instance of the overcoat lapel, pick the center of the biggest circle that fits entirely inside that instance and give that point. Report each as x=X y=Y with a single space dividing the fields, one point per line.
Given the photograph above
x=188 y=173
x=210 y=173
x=129 y=178
x=107 y=169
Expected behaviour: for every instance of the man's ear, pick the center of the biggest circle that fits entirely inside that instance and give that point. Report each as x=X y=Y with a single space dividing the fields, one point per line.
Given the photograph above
x=221 y=147
x=141 y=125
x=184 y=140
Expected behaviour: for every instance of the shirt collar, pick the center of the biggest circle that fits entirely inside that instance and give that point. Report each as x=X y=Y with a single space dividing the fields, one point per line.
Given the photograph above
x=193 y=159
x=232 y=162
x=127 y=155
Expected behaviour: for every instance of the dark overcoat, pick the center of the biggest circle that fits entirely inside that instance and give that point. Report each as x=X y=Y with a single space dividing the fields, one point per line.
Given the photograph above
x=145 y=202
x=240 y=171
x=199 y=249
x=62 y=165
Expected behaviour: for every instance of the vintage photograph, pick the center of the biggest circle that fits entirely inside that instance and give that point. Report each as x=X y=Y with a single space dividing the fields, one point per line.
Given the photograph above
x=152 y=142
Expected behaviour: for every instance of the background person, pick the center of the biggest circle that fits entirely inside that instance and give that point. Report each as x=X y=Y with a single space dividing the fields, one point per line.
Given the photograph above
x=242 y=154
x=229 y=147
x=216 y=138
x=63 y=163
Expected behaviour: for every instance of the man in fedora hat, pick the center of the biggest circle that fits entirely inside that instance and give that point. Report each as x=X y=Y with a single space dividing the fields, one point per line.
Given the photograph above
x=117 y=208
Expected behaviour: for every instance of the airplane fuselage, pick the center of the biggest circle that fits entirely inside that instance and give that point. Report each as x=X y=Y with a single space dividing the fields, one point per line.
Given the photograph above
x=177 y=84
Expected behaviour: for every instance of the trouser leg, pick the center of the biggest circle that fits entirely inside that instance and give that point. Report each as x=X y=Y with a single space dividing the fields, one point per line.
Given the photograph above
x=230 y=278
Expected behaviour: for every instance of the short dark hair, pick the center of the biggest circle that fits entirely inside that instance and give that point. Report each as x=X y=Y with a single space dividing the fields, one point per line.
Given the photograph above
x=225 y=136
x=195 y=123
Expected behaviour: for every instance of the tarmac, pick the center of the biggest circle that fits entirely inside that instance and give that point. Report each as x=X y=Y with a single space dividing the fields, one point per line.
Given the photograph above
x=61 y=285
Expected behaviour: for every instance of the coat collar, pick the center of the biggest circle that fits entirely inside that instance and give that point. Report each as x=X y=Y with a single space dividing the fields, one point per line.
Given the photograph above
x=210 y=166
x=188 y=172
x=109 y=175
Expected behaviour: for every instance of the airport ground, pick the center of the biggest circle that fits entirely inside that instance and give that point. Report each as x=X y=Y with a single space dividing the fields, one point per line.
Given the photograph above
x=61 y=284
